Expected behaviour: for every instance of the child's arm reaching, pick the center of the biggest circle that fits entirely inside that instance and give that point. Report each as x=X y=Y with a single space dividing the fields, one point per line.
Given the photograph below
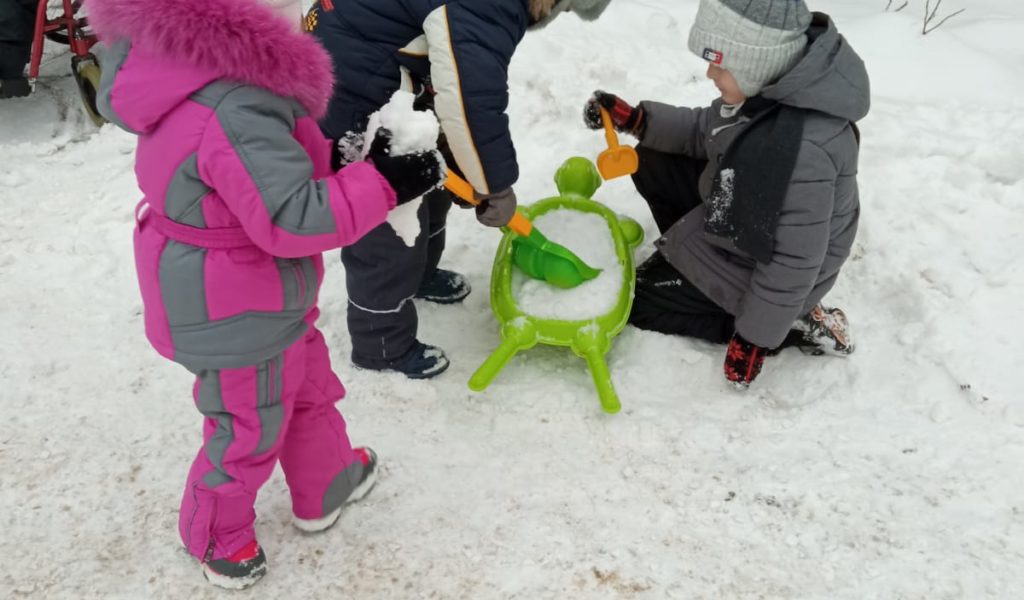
x=662 y=127
x=675 y=129
x=265 y=177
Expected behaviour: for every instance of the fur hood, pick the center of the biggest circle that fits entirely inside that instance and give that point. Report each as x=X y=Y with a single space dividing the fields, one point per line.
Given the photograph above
x=238 y=40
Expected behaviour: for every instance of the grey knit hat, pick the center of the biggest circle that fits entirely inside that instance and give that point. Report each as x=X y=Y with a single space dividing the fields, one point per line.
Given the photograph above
x=757 y=41
x=588 y=10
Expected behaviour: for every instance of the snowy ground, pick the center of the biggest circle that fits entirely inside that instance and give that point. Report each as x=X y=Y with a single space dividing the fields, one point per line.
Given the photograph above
x=894 y=474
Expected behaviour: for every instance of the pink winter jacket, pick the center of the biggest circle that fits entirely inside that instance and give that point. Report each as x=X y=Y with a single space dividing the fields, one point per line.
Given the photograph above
x=239 y=198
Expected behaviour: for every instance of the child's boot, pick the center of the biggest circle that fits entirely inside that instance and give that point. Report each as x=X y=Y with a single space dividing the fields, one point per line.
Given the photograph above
x=825 y=331
x=239 y=571
x=367 y=480
x=444 y=287
x=14 y=88
x=422 y=362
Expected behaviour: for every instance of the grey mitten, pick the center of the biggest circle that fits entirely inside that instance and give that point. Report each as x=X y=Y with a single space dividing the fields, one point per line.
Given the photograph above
x=496 y=210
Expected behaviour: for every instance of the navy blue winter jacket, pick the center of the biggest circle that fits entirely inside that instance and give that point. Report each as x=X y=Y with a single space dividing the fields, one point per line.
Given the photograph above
x=462 y=47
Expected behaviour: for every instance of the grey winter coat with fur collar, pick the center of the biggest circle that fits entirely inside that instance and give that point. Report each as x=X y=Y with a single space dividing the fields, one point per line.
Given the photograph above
x=818 y=218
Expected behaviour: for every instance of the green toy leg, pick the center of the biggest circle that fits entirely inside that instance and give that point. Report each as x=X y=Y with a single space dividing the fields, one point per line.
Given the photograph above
x=603 y=381
x=515 y=336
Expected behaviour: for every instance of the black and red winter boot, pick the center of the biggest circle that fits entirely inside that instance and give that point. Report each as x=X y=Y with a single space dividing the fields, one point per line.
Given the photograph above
x=365 y=478
x=239 y=571
x=825 y=331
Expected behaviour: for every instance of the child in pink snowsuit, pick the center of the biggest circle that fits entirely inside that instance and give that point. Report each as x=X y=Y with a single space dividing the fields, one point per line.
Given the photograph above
x=240 y=201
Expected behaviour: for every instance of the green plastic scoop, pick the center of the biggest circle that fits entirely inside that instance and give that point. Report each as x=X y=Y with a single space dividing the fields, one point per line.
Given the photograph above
x=536 y=255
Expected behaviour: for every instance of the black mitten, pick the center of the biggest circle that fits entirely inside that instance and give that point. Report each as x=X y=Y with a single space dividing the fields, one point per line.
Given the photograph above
x=410 y=175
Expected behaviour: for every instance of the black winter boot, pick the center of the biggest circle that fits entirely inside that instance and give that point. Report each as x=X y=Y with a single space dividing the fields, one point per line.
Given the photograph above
x=14 y=88
x=444 y=287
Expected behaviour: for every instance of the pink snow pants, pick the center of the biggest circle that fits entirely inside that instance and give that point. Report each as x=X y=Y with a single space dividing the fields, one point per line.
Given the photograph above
x=282 y=409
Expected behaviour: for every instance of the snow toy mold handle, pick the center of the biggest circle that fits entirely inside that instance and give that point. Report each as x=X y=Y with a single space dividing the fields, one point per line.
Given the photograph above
x=462 y=188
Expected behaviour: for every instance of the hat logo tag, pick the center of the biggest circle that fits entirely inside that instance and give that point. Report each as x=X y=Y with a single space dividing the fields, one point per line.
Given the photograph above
x=712 y=56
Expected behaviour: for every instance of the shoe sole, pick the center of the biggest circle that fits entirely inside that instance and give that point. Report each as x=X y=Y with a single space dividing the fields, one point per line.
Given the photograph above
x=445 y=300
x=233 y=583
x=416 y=376
x=311 y=526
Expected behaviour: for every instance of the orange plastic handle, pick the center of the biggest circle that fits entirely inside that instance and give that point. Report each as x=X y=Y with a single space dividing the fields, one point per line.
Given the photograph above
x=520 y=224
x=462 y=188
x=609 y=132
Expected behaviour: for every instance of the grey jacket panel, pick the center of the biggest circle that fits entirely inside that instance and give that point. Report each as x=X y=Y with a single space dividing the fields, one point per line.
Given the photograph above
x=185 y=193
x=779 y=289
x=818 y=221
x=295 y=202
x=240 y=341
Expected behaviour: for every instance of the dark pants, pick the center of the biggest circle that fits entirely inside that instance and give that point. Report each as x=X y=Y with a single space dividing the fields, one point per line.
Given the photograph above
x=383 y=275
x=665 y=300
x=17 y=18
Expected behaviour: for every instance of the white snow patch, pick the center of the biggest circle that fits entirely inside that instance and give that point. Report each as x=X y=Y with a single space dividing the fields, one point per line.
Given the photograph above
x=588 y=236
x=721 y=201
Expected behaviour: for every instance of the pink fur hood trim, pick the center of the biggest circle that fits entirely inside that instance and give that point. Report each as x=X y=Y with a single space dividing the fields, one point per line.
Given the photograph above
x=239 y=40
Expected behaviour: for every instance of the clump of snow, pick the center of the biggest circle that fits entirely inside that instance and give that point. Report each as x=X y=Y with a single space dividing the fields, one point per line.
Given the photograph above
x=588 y=236
x=722 y=199
x=411 y=131
x=405 y=220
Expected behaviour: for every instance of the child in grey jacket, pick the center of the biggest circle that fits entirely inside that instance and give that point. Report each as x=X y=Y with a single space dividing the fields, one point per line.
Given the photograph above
x=756 y=195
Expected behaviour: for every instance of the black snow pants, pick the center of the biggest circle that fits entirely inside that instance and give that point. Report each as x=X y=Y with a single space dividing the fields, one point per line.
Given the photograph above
x=665 y=300
x=17 y=18
x=383 y=275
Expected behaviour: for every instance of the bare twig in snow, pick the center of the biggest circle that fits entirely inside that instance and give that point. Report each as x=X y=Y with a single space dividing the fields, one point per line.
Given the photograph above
x=901 y=7
x=929 y=16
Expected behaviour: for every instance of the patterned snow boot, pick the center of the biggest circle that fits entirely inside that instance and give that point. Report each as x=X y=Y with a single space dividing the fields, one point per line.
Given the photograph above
x=239 y=571
x=825 y=331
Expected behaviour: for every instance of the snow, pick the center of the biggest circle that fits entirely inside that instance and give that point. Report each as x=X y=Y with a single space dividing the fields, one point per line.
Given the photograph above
x=896 y=473
x=722 y=198
x=412 y=131
x=588 y=236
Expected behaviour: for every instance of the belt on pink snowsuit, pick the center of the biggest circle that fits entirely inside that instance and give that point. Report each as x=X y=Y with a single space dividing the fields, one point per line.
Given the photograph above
x=215 y=238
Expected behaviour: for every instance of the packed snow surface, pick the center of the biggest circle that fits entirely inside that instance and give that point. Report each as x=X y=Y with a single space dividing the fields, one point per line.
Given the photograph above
x=894 y=474
x=588 y=236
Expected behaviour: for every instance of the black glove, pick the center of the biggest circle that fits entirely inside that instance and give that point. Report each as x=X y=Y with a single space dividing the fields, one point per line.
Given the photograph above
x=410 y=175
x=625 y=118
x=743 y=361
x=496 y=210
